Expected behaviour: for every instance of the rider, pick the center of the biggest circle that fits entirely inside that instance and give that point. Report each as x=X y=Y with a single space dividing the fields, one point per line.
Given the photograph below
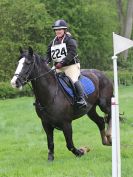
x=62 y=51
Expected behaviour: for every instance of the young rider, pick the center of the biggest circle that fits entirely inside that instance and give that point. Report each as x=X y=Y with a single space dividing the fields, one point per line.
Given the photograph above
x=62 y=51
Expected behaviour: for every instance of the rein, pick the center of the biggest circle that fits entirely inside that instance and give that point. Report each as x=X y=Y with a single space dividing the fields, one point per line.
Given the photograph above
x=42 y=75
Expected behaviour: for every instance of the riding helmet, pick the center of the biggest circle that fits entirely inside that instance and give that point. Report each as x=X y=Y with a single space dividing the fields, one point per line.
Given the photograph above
x=59 y=24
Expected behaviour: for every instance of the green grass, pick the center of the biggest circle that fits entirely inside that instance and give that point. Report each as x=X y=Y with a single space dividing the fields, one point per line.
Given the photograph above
x=23 y=145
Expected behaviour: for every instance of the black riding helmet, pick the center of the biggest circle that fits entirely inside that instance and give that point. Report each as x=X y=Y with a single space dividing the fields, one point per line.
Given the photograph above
x=59 y=24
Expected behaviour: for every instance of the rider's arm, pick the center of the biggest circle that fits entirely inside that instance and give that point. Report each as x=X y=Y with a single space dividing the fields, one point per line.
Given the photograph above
x=71 y=51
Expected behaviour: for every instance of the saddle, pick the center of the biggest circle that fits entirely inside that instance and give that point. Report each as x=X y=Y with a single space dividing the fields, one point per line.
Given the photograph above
x=68 y=86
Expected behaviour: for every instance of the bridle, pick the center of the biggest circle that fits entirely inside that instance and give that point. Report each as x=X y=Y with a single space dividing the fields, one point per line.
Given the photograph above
x=29 y=71
x=24 y=78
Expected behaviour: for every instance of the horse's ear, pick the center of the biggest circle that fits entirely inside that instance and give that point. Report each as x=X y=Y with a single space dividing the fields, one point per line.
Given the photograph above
x=21 y=50
x=30 y=51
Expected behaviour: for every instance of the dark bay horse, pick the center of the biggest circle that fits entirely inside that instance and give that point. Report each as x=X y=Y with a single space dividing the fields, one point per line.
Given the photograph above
x=54 y=110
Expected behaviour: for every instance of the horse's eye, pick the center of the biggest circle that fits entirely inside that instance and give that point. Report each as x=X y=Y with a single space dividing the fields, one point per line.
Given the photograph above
x=27 y=61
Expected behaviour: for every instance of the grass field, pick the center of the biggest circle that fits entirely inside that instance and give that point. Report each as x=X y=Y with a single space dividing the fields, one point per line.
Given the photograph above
x=23 y=146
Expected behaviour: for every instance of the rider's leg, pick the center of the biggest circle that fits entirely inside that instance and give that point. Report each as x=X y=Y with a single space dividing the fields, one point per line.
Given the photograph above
x=80 y=94
x=73 y=71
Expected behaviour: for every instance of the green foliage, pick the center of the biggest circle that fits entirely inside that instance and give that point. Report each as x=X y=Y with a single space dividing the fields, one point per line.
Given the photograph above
x=95 y=37
x=28 y=23
x=6 y=91
x=124 y=77
x=24 y=23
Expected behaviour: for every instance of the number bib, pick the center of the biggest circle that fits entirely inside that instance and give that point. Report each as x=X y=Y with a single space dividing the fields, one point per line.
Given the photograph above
x=58 y=52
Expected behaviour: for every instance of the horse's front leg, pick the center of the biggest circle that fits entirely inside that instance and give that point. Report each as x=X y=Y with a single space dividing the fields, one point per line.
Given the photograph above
x=67 y=130
x=49 y=132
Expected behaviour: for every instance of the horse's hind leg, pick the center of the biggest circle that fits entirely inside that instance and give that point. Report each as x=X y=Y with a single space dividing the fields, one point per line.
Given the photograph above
x=100 y=123
x=109 y=128
x=105 y=106
x=67 y=130
x=49 y=132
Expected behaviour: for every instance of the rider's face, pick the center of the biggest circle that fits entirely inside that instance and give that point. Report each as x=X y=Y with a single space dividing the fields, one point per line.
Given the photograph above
x=59 y=32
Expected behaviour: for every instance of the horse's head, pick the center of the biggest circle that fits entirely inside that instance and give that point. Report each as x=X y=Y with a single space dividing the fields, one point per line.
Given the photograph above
x=24 y=68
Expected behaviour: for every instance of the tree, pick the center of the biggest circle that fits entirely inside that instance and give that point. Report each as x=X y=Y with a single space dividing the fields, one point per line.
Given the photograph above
x=23 y=23
x=28 y=22
x=126 y=20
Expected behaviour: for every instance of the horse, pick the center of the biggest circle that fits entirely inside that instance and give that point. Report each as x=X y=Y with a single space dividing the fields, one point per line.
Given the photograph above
x=52 y=106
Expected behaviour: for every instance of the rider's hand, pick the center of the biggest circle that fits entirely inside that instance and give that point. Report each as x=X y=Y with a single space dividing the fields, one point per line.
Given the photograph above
x=59 y=65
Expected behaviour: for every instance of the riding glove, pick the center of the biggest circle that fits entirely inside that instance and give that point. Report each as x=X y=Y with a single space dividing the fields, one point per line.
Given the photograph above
x=59 y=65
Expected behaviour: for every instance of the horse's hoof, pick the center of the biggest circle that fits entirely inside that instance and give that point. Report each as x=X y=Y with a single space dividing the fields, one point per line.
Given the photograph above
x=84 y=149
x=109 y=140
x=79 y=152
x=50 y=158
x=106 y=142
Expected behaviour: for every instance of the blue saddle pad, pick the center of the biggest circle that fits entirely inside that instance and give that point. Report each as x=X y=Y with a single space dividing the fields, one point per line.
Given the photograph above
x=87 y=84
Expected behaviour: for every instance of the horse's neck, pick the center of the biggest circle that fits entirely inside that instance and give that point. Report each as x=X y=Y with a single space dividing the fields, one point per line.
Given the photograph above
x=45 y=86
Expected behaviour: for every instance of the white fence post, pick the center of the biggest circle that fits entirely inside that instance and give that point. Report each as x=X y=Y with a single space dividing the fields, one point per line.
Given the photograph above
x=116 y=159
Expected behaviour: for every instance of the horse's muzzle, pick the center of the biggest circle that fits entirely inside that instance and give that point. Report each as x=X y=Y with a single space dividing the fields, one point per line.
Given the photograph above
x=16 y=83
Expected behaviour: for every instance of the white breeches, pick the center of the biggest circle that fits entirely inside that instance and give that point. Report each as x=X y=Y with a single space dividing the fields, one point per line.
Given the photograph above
x=72 y=71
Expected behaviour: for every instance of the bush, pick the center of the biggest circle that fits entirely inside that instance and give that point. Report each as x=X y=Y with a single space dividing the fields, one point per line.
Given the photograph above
x=124 y=77
x=6 y=91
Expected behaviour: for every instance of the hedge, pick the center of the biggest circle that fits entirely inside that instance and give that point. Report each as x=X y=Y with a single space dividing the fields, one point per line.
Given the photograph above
x=6 y=91
x=124 y=77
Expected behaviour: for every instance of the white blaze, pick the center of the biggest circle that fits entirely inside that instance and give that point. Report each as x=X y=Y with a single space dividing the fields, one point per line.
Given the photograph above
x=17 y=72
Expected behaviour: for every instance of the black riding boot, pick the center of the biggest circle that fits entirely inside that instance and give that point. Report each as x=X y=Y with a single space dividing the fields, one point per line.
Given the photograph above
x=80 y=95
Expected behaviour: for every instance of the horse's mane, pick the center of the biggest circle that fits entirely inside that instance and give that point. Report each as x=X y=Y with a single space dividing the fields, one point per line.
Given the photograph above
x=42 y=63
x=39 y=59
